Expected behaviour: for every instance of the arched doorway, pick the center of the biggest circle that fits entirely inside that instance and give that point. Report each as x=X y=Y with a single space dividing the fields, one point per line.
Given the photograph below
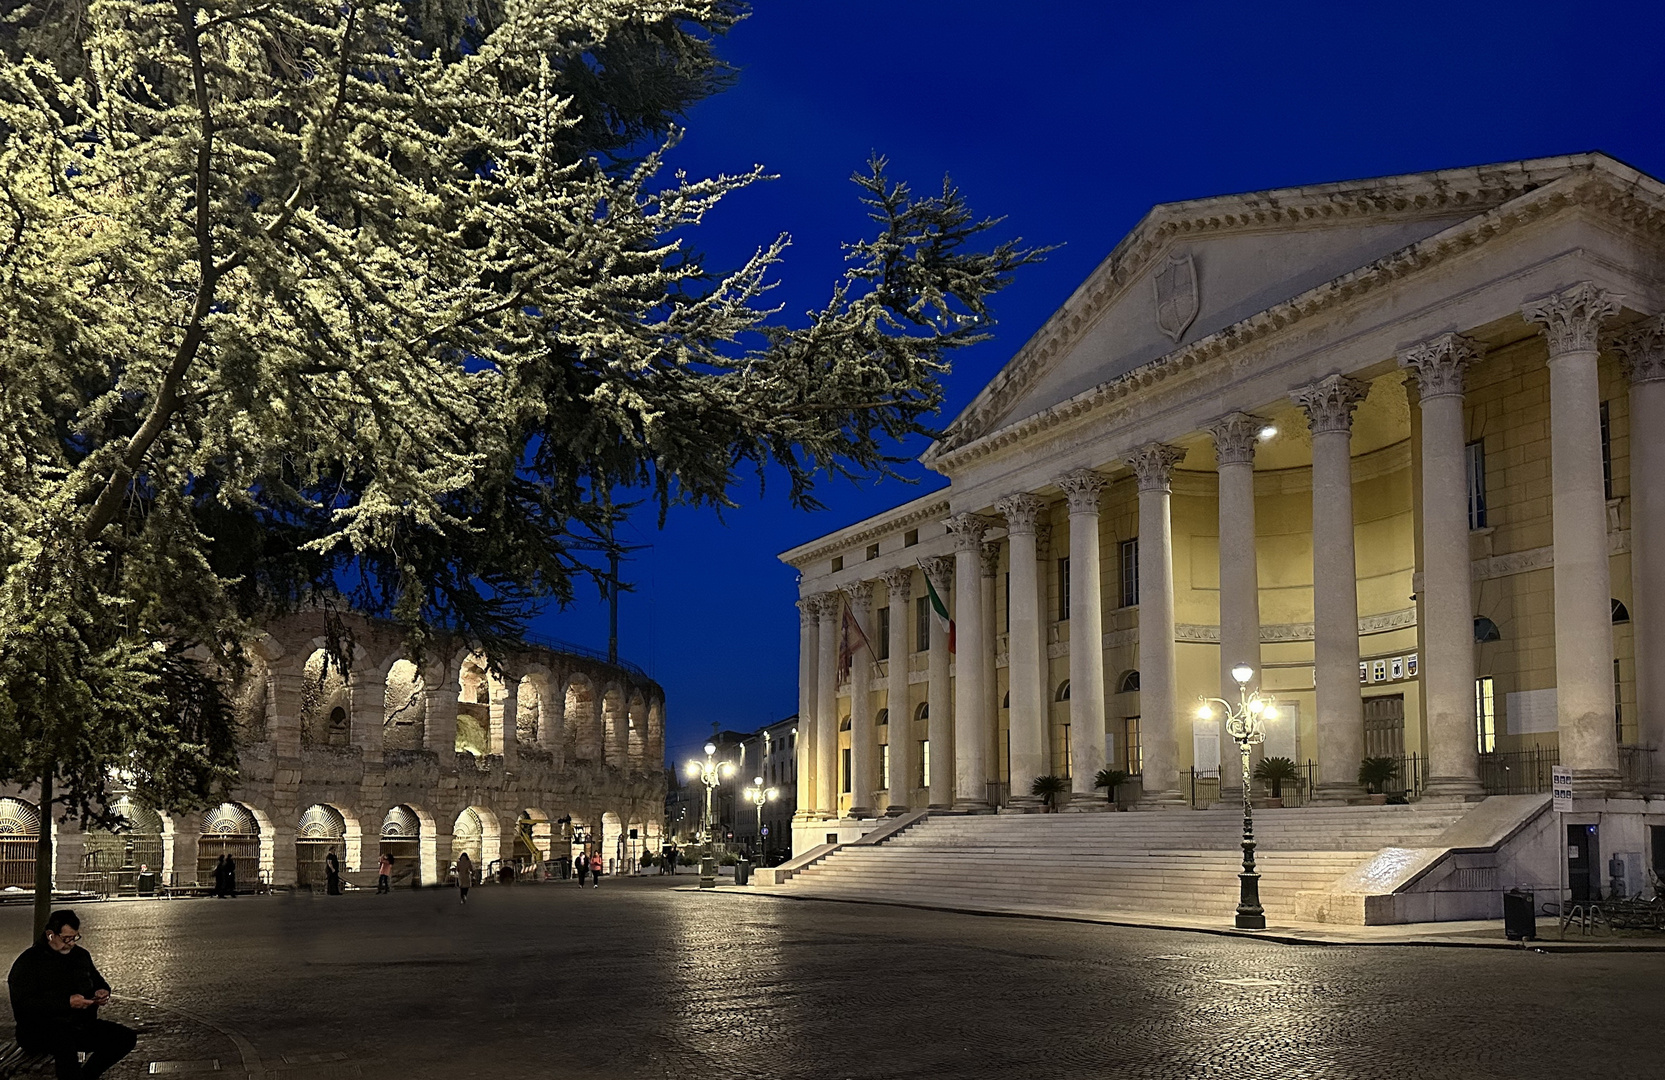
x=19 y=833
x=322 y=830
x=123 y=854
x=230 y=829
x=402 y=842
x=477 y=833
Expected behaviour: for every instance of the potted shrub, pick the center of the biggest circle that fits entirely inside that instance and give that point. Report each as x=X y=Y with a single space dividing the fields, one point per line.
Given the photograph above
x=1048 y=788
x=1110 y=780
x=1274 y=772
x=1375 y=773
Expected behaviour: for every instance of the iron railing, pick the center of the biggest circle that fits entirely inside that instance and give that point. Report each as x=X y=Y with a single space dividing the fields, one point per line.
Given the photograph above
x=1636 y=767
x=1518 y=772
x=557 y=645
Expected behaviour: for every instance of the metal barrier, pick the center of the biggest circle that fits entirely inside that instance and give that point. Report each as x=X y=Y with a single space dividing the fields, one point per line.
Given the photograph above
x=1518 y=772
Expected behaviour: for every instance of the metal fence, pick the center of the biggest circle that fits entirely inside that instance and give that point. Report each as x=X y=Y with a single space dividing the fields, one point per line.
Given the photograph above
x=1636 y=767
x=1518 y=772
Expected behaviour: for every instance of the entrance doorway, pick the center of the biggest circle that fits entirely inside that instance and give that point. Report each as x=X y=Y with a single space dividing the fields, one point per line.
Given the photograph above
x=1384 y=726
x=1583 y=862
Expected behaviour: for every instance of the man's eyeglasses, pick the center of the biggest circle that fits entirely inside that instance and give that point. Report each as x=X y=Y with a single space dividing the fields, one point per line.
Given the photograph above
x=68 y=939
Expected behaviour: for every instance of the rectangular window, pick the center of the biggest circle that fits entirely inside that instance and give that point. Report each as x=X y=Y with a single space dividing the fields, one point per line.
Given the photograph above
x=1064 y=589
x=881 y=647
x=1069 y=761
x=1474 y=455
x=1135 y=752
x=1007 y=622
x=924 y=762
x=872 y=552
x=910 y=538
x=1606 y=453
x=1129 y=558
x=884 y=768
x=844 y=770
x=922 y=624
x=1485 y=713
x=1618 y=706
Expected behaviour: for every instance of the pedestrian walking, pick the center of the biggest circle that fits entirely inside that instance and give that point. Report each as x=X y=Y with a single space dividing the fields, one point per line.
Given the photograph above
x=465 y=875
x=219 y=877
x=332 y=874
x=595 y=870
x=384 y=874
x=230 y=877
x=582 y=866
x=56 y=992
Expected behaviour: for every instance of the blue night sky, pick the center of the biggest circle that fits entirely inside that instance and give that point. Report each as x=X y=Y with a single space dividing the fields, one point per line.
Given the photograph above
x=1070 y=119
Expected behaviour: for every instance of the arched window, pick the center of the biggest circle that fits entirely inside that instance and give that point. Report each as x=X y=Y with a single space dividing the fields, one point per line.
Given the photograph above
x=882 y=719
x=1486 y=630
x=844 y=724
x=1063 y=691
x=1621 y=614
x=1128 y=683
x=1006 y=702
x=923 y=712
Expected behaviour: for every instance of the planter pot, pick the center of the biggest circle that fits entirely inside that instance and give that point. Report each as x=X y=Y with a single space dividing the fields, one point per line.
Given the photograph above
x=1275 y=804
x=1378 y=798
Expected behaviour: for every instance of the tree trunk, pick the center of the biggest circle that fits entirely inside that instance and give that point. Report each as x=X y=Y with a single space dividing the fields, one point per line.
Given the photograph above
x=43 y=857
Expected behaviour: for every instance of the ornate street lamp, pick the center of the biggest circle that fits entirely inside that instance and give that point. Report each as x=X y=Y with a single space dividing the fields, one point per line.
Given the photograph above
x=1246 y=724
x=757 y=793
x=712 y=772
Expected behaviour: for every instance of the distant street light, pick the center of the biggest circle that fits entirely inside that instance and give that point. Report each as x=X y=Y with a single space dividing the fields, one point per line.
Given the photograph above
x=1246 y=724
x=760 y=795
x=712 y=772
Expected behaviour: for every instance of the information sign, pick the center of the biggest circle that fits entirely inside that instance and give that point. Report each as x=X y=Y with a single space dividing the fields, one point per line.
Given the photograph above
x=1560 y=785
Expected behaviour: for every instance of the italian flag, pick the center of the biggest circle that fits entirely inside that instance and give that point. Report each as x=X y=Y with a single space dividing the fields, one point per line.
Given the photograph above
x=939 y=610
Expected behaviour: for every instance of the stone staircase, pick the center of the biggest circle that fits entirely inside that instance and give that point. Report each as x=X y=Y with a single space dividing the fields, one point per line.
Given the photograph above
x=1170 y=862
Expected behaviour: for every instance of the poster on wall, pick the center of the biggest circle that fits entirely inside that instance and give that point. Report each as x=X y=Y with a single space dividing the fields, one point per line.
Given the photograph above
x=1529 y=712
x=1282 y=731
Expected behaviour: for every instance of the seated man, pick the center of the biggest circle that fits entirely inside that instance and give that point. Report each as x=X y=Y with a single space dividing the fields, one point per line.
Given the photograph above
x=56 y=992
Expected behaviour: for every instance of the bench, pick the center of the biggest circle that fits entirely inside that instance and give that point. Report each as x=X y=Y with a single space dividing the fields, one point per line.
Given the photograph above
x=15 y=1061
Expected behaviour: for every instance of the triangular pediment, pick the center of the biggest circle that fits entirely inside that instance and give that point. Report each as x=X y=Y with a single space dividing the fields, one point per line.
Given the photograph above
x=1191 y=269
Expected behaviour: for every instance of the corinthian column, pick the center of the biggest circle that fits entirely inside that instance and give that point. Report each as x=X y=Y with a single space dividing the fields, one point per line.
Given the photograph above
x=1571 y=321
x=809 y=609
x=1086 y=635
x=1235 y=437
x=863 y=759
x=1447 y=590
x=1643 y=351
x=1028 y=713
x=939 y=699
x=903 y=767
x=971 y=730
x=1329 y=405
x=826 y=708
x=1153 y=464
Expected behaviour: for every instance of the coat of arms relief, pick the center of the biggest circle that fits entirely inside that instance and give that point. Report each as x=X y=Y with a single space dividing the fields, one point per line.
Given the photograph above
x=1175 y=281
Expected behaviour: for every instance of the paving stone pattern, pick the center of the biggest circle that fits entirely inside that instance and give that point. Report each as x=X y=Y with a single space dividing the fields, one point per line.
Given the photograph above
x=637 y=980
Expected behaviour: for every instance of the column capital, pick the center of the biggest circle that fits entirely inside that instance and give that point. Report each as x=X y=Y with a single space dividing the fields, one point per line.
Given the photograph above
x=1082 y=486
x=1021 y=511
x=899 y=579
x=1329 y=402
x=826 y=605
x=1235 y=438
x=860 y=595
x=1439 y=362
x=1641 y=349
x=1571 y=319
x=809 y=609
x=990 y=554
x=940 y=569
x=1153 y=463
x=968 y=530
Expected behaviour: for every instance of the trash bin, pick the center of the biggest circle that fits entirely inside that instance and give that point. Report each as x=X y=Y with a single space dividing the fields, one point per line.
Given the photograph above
x=742 y=872
x=1520 y=917
x=147 y=884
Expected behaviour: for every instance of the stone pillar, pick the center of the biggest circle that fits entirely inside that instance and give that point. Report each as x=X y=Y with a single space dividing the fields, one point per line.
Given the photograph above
x=1086 y=636
x=864 y=760
x=1643 y=351
x=1571 y=321
x=826 y=708
x=1235 y=437
x=504 y=710
x=180 y=833
x=552 y=725
x=971 y=729
x=1159 y=722
x=899 y=584
x=1447 y=644
x=939 y=699
x=1329 y=405
x=367 y=706
x=990 y=561
x=284 y=691
x=809 y=647
x=439 y=736
x=1025 y=682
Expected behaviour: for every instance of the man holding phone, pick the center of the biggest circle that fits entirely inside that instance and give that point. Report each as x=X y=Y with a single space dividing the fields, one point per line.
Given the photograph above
x=56 y=991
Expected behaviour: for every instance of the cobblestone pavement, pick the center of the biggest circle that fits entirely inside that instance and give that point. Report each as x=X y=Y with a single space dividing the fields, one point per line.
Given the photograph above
x=637 y=980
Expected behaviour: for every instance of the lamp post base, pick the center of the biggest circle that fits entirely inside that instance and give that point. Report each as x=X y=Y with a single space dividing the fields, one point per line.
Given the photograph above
x=1250 y=922
x=1250 y=915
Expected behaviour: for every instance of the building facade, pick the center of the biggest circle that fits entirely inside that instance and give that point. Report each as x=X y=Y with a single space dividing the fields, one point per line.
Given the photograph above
x=1383 y=441
x=770 y=755
x=420 y=763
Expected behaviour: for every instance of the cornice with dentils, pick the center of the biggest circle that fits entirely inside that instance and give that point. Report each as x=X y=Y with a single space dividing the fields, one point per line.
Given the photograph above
x=1629 y=196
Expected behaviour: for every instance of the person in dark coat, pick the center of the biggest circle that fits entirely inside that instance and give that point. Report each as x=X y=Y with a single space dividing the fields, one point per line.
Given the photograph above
x=230 y=877
x=56 y=992
x=332 y=874
x=219 y=876
x=581 y=866
x=465 y=875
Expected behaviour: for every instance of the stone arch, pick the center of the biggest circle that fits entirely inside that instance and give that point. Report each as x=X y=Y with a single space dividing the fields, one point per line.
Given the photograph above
x=534 y=838
x=320 y=830
x=19 y=833
x=923 y=712
x=325 y=706
x=531 y=710
x=404 y=713
x=478 y=832
x=1063 y=691
x=123 y=854
x=615 y=728
x=582 y=734
x=637 y=721
x=474 y=705
x=409 y=838
x=1128 y=682
x=240 y=832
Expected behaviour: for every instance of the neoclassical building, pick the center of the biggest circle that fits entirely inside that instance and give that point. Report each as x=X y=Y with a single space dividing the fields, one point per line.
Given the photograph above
x=421 y=762
x=1386 y=441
